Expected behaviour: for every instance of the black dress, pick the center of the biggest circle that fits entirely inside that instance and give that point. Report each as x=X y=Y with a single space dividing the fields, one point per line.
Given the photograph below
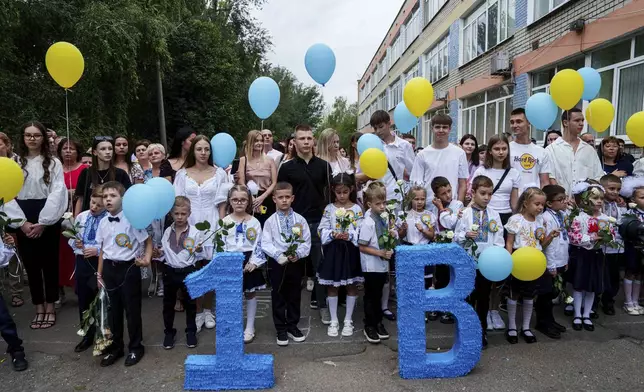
x=253 y=281
x=588 y=270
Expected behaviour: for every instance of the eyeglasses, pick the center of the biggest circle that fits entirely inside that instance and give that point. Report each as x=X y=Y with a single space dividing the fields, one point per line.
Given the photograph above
x=32 y=136
x=238 y=201
x=103 y=138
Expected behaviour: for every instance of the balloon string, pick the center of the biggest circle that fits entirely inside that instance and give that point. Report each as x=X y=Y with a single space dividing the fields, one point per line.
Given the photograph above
x=67 y=114
x=262 y=127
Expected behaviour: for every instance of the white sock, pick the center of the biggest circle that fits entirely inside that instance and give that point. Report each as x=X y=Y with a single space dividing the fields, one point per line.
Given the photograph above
x=578 y=297
x=351 y=304
x=527 y=315
x=589 y=298
x=333 y=308
x=251 y=311
x=628 y=292
x=512 y=316
x=637 y=285
x=385 y=296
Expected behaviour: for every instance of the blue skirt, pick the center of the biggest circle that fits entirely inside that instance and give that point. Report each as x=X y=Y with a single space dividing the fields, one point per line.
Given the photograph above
x=588 y=270
x=340 y=265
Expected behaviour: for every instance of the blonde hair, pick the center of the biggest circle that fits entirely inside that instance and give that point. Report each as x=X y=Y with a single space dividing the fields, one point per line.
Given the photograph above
x=526 y=196
x=243 y=189
x=376 y=191
x=325 y=140
x=181 y=201
x=156 y=146
x=410 y=195
x=250 y=141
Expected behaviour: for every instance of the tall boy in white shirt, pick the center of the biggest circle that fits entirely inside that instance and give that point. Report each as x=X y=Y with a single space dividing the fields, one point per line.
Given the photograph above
x=526 y=157
x=124 y=250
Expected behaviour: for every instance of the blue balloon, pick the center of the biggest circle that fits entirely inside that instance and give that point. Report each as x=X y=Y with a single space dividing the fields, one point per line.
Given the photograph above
x=224 y=149
x=369 y=140
x=592 y=83
x=404 y=120
x=264 y=97
x=541 y=110
x=495 y=263
x=164 y=193
x=140 y=205
x=320 y=63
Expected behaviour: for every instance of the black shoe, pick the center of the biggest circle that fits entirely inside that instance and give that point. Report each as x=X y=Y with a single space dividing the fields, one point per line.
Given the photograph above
x=83 y=345
x=528 y=339
x=18 y=361
x=576 y=326
x=296 y=335
x=569 y=310
x=549 y=330
x=558 y=326
x=447 y=318
x=191 y=340
x=484 y=343
x=382 y=332
x=133 y=358
x=609 y=309
x=594 y=315
x=511 y=339
x=168 y=341
x=110 y=358
x=314 y=304
x=386 y=313
x=432 y=316
x=587 y=324
x=282 y=338
x=372 y=335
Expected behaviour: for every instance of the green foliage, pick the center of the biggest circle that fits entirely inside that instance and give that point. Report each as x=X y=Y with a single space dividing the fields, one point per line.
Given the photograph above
x=343 y=118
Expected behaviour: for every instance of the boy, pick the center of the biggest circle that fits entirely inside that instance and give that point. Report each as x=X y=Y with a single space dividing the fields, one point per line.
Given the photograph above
x=482 y=226
x=285 y=268
x=181 y=247
x=119 y=271
x=614 y=256
x=374 y=261
x=86 y=251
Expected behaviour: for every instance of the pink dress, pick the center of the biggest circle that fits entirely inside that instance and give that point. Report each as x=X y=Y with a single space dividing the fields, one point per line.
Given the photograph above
x=67 y=260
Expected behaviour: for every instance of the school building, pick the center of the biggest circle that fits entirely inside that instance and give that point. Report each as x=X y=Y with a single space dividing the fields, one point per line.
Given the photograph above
x=486 y=57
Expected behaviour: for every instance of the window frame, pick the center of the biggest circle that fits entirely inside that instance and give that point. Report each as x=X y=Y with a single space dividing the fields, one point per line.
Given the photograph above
x=498 y=102
x=468 y=50
x=532 y=18
x=436 y=53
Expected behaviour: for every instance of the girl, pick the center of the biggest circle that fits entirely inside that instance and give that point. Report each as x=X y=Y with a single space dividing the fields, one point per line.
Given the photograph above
x=587 y=271
x=244 y=237
x=420 y=223
x=328 y=148
x=470 y=145
x=633 y=188
x=525 y=228
x=181 y=147
x=338 y=231
x=123 y=160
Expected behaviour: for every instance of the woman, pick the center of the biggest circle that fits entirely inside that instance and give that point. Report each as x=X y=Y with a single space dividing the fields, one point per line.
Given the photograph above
x=101 y=171
x=142 y=158
x=551 y=136
x=180 y=147
x=257 y=167
x=207 y=188
x=160 y=167
x=328 y=148
x=612 y=160
x=41 y=202
x=123 y=160
x=70 y=153
x=470 y=145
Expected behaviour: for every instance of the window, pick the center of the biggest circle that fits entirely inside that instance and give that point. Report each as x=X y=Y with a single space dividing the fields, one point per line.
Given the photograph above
x=396 y=51
x=382 y=101
x=486 y=27
x=411 y=73
x=539 y=8
x=395 y=94
x=436 y=61
x=487 y=113
x=431 y=9
x=382 y=67
x=413 y=28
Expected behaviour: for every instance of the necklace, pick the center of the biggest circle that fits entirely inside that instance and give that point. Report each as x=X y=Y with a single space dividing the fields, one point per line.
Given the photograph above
x=102 y=177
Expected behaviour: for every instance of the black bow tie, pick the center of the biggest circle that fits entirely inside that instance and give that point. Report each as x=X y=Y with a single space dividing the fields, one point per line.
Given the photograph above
x=113 y=219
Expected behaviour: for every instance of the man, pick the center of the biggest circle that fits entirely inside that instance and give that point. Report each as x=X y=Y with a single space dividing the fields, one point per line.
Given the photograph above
x=527 y=158
x=622 y=151
x=441 y=159
x=588 y=138
x=572 y=159
x=310 y=177
x=268 y=147
x=410 y=138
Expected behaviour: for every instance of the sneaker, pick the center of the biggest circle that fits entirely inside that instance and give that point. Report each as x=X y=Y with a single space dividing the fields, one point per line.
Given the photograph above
x=497 y=321
x=382 y=332
x=631 y=310
x=372 y=335
x=310 y=285
x=347 y=329
x=296 y=335
x=200 y=320
x=332 y=330
x=640 y=309
x=18 y=361
x=282 y=339
x=314 y=304
x=447 y=318
x=490 y=326
x=249 y=336
x=191 y=340
x=325 y=316
x=432 y=316
x=209 y=319
x=168 y=341
x=160 y=288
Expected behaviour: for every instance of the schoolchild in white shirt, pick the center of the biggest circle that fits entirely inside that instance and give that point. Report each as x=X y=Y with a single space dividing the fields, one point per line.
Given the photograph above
x=124 y=250
x=421 y=224
x=614 y=255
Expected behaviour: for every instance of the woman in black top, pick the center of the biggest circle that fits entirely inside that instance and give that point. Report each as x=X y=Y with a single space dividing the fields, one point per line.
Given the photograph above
x=612 y=160
x=101 y=171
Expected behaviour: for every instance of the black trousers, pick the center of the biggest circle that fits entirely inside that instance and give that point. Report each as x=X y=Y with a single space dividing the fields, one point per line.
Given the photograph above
x=543 y=306
x=40 y=255
x=123 y=282
x=286 y=293
x=8 y=329
x=86 y=285
x=480 y=298
x=613 y=262
x=373 y=284
x=173 y=280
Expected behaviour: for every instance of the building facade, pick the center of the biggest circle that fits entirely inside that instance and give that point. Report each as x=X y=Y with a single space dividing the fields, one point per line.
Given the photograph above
x=486 y=57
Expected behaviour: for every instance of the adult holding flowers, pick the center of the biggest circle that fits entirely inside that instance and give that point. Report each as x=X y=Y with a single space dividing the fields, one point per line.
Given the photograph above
x=258 y=171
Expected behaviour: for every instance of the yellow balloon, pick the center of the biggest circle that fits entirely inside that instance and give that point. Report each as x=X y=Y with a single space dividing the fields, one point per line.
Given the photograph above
x=635 y=129
x=65 y=64
x=600 y=114
x=566 y=88
x=418 y=96
x=11 y=178
x=373 y=163
x=528 y=264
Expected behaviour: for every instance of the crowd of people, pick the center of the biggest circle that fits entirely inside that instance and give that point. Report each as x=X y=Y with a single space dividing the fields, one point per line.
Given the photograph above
x=302 y=210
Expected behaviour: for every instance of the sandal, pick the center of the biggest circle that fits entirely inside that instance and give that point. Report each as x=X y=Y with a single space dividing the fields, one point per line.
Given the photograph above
x=47 y=322
x=36 y=323
x=17 y=301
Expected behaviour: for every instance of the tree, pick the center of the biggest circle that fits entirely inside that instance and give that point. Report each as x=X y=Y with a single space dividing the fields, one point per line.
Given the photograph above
x=343 y=118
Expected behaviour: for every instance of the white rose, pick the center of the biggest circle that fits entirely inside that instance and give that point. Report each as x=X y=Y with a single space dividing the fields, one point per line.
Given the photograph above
x=474 y=227
x=68 y=215
x=612 y=220
x=400 y=182
x=384 y=215
x=568 y=300
x=296 y=230
x=80 y=332
x=391 y=206
x=340 y=213
x=449 y=235
x=632 y=206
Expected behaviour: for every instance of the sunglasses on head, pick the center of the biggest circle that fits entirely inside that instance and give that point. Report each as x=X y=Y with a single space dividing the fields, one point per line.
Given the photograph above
x=103 y=138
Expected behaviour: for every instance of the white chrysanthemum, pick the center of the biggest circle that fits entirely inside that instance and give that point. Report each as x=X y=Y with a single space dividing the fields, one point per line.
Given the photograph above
x=449 y=235
x=632 y=206
x=612 y=220
x=80 y=332
x=384 y=215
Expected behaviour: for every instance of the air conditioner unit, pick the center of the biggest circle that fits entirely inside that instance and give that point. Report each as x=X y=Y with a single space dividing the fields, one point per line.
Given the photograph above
x=440 y=95
x=500 y=63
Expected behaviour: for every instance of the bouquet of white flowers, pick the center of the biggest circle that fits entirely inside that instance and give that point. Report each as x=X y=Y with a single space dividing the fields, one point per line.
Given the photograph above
x=72 y=230
x=343 y=218
x=97 y=315
x=444 y=237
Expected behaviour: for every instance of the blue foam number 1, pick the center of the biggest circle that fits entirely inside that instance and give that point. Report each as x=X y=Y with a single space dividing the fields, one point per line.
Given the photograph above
x=230 y=368
x=414 y=300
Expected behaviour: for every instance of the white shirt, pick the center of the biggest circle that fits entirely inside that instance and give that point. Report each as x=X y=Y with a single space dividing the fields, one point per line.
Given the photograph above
x=245 y=237
x=526 y=233
x=341 y=165
x=449 y=217
x=530 y=161
x=638 y=167
x=275 y=155
x=569 y=167
x=500 y=201
x=328 y=225
x=35 y=188
x=490 y=229
x=81 y=219
x=185 y=254
x=427 y=219
x=273 y=243
x=119 y=241
x=368 y=237
x=612 y=210
x=449 y=162
x=557 y=252
x=400 y=155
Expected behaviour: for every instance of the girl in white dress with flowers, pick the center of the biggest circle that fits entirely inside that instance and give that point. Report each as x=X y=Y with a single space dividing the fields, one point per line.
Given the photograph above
x=421 y=224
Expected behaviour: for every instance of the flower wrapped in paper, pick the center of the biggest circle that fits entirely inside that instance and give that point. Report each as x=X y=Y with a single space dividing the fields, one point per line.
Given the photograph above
x=98 y=316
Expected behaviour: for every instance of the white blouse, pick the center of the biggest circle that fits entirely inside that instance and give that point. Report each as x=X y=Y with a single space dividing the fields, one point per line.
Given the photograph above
x=490 y=232
x=341 y=165
x=425 y=218
x=557 y=252
x=328 y=224
x=245 y=239
x=526 y=233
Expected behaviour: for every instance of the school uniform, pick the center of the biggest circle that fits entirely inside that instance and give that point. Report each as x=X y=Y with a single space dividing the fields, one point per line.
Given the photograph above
x=614 y=255
x=447 y=220
x=120 y=245
x=286 y=280
x=428 y=220
x=245 y=237
x=180 y=258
